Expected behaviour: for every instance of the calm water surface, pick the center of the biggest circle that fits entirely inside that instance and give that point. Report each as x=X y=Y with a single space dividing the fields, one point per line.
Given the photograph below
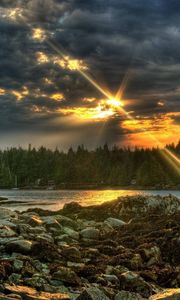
x=54 y=200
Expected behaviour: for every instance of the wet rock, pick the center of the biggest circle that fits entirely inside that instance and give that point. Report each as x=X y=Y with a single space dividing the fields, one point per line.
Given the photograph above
x=28 y=293
x=66 y=275
x=20 y=246
x=150 y=251
x=52 y=225
x=90 y=233
x=6 y=231
x=125 y=295
x=18 y=265
x=6 y=213
x=114 y=223
x=45 y=251
x=93 y=293
x=35 y=221
x=15 y=278
x=71 y=253
x=67 y=222
x=71 y=233
x=171 y=294
x=133 y=282
x=111 y=278
x=136 y=262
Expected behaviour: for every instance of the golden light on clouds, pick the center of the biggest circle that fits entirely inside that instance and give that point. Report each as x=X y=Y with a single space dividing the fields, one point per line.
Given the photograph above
x=57 y=97
x=153 y=131
x=104 y=109
x=21 y=94
x=70 y=64
x=14 y=13
x=42 y=58
x=48 y=81
x=87 y=113
x=2 y=92
x=38 y=34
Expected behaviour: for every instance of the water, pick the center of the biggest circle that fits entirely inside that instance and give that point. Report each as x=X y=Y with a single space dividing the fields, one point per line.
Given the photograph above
x=54 y=200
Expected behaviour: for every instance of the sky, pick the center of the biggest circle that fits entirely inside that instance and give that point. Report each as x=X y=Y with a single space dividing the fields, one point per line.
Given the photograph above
x=89 y=72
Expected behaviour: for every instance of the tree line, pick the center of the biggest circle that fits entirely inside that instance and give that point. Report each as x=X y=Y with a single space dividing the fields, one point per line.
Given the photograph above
x=103 y=166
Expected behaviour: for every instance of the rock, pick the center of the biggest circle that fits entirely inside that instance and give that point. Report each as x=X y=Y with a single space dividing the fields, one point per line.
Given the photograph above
x=71 y=253
x=136 y=262
x=18 y=265
x=35 y=221
x=15 y=278
x=52 y=225
x=114 y=223
x=92 y=293
x=90 y=233
x=111 y=278
x=66 y=275
x=125 y=295
x=170 y=294
x=7 y=213
x=133 y=282
x=45 y=251
x=28 y=293
x=150 y=251
x=6 y=231
x=67 y=222
x=71 y=233
x=10 y=224
x=20 y=246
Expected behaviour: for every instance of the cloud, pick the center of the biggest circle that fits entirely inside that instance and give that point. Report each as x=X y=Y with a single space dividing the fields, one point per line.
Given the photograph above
x=105 y=39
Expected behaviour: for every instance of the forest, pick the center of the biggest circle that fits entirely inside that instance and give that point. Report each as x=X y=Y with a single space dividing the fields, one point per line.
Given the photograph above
x=83 y=168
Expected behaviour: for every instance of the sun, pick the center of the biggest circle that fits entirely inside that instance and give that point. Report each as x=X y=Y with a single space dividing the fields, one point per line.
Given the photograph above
x=115 y=103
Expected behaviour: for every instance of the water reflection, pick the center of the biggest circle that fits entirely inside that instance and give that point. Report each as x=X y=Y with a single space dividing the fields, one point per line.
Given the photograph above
x=54 y=200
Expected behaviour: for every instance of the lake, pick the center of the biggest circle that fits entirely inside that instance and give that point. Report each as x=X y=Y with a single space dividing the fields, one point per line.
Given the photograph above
x=54 y=200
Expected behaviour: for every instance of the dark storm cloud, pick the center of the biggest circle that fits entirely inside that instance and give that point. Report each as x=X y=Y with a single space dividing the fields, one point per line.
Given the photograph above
x=111 y=36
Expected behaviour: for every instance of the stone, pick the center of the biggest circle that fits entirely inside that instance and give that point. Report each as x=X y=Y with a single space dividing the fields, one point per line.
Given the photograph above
x=34 y=221
x=66 y=275
x=67 y=222
x=71 y=233
x=114 y=223
x=92 y=293
x=18 y=265
x=71 y=253
x=125 y=295
x=90 y=233
x=6 y=231
x=132 y=281
x=19 y=246
x=31 y=293
x=169 y=294
x=7 y=213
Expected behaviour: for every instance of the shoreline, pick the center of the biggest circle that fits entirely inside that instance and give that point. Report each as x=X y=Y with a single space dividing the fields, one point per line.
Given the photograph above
x=127 y=248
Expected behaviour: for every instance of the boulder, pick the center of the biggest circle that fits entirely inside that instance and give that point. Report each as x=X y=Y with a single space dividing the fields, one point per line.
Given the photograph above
x=28 y=293
x=66 y=275
x=133 y=282
x=34 y=221
x=114 y=223
x=6 y=231
x=90 y=233
x=170 y=294
x=20 y=246
x=92 y=293
x=7 y=213
x=71 y=233
x=71 y=253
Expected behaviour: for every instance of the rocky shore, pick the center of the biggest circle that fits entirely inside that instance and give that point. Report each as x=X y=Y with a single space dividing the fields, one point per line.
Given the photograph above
x=121 y=250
